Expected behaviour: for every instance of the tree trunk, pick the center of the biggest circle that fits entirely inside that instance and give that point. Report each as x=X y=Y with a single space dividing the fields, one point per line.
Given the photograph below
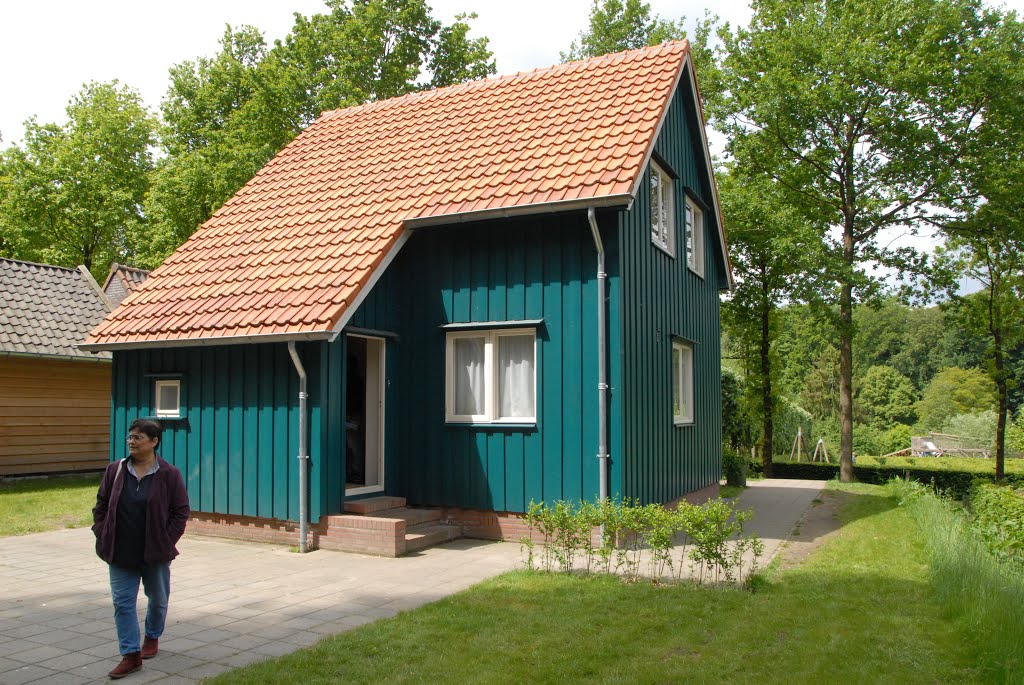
x=846 y=359
x=768 y=436
x=995 y=324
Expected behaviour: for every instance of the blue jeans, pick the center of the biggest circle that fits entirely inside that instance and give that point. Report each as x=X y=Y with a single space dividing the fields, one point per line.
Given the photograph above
x=124 y=589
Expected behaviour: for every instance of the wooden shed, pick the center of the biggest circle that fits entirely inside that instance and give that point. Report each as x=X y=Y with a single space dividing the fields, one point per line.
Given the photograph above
x=497 y=292
x=54 y=398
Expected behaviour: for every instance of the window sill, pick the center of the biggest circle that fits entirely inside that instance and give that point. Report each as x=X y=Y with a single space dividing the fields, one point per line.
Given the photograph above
x=492 y=426
x=664 y=248
x=698 y=274
x=682 y=423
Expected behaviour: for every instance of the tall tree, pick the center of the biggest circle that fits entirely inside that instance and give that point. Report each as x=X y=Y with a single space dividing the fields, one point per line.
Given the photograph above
x=614 y=26
x=226 y=116
x=988 y=244
x=855 y=110
x=769 y=253
x=73 y=193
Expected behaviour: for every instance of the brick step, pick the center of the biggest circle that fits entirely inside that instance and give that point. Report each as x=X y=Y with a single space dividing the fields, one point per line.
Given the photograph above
x=372 y=505
x=429 y=534
x=411 y=515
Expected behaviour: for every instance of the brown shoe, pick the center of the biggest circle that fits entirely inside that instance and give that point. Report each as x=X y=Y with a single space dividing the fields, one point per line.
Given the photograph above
x=150 y=646
x=129 y=664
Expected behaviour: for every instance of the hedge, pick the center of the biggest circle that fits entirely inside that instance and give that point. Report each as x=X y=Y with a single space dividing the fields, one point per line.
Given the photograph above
x=956 y=484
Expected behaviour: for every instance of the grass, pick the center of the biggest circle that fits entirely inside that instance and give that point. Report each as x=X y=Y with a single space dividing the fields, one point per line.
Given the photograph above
x=861 y=609
x=37 y=505
x=980 y=593
x=730 y=491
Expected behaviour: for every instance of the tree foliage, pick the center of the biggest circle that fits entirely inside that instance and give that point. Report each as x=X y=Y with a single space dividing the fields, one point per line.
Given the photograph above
x=616 y=25
x=73 y=194
x=770 y=260
x=885 y=397
x=955 y=391
x=853 y=109
x=226 y=116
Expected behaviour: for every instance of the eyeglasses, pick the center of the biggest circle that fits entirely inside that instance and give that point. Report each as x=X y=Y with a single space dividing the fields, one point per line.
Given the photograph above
x=132 y=437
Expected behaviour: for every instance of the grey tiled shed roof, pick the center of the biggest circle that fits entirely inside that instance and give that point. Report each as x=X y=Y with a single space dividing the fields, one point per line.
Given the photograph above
x=122 y=281
x=47 y=310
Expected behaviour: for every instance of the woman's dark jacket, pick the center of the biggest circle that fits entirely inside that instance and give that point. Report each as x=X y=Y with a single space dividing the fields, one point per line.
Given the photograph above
x=167 y=511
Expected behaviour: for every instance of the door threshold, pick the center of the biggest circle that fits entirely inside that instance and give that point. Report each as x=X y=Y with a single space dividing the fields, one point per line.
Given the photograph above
x=364 y=490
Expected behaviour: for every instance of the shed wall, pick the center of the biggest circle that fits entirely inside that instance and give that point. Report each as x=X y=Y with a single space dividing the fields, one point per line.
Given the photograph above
x=54 y=415
x=663 y=461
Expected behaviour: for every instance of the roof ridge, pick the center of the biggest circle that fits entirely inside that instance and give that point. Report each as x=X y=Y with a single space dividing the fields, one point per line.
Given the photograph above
x=45 y=266
x=489 y=80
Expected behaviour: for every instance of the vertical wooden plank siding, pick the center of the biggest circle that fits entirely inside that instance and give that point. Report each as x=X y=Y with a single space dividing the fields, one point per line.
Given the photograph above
x=237 y=442
x=530 y=268
x=666 y=300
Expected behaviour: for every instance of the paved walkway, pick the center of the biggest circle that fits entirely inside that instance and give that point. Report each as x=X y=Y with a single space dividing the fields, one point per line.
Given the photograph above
x=235 y=603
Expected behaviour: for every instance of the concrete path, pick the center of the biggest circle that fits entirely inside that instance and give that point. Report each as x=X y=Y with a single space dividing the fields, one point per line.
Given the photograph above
x=235 y=603
x=778 y=506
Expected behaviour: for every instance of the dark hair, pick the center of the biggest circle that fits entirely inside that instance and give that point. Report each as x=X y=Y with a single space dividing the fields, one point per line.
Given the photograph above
x=152 y=429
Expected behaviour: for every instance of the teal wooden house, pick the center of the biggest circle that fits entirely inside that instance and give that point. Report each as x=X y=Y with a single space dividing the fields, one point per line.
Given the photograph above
x=469 y=298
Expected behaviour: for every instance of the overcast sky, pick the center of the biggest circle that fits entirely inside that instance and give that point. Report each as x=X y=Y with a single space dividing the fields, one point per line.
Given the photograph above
x=49 y=48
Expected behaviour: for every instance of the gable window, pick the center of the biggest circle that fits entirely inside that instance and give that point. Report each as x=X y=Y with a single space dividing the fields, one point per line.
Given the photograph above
x=694 y=238
x=682 y=382
x=662 y=209
x=167 y=398
x=491 y=376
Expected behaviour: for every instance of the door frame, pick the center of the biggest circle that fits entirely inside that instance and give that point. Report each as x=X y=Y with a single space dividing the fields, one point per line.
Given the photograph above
x=377 y=385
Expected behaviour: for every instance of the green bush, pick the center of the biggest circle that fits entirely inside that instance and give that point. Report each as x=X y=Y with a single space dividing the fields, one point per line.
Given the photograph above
x=998 y=516
x=956 y=484
x=734 y=467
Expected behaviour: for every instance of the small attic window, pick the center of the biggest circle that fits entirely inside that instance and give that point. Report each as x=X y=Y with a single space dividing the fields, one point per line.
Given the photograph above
x=167 y=398
x=662 y=209
x=694 y=238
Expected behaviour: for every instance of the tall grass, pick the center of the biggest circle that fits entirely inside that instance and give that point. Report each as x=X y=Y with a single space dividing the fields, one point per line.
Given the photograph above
x=977 y=590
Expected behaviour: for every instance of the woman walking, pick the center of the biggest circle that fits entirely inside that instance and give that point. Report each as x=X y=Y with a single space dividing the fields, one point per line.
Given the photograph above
x=141 y=511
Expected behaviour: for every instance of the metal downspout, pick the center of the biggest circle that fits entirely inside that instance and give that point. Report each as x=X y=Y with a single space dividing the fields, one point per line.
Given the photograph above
x=602 y=356
x=303 y=450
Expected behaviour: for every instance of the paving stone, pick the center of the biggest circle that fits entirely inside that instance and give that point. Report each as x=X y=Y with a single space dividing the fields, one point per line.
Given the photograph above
x=240 y=659
x=36 y=653
x=27 y=674
x=69 y=661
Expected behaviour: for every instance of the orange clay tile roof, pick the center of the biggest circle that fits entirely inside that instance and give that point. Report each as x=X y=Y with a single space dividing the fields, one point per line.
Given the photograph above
x=292 y=251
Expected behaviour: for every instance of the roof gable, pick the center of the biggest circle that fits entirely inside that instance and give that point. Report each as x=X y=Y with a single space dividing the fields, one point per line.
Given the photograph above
x=48 y=310
x=298 y=246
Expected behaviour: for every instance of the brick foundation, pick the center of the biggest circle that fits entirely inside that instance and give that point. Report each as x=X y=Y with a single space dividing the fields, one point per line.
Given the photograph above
x=253 y=529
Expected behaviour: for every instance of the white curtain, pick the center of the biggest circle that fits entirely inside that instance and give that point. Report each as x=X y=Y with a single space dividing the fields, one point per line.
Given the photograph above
x=516 y=376
x=469 y=376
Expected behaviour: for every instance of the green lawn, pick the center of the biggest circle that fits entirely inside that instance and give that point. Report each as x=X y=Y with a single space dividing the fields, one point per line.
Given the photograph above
x=37 y=505
x=860 y=610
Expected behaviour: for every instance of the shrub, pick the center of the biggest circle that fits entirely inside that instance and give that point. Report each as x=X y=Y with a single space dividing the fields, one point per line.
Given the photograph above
x=734 y=467
x=956 y=484
x=707 y=539
x=998 y=516
x=978 y=429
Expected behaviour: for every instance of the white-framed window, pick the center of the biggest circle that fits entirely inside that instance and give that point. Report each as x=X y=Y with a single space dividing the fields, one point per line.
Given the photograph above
x=491 y=376
x=694 y=238
x=682 y=382
x=167 y=398
x=663 y=211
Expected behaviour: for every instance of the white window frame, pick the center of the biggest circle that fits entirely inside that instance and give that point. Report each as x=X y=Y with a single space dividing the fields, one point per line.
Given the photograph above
x=662 y=235
x=694 y=237
x=492 y=400
x=682 y=378
x=166 y=412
